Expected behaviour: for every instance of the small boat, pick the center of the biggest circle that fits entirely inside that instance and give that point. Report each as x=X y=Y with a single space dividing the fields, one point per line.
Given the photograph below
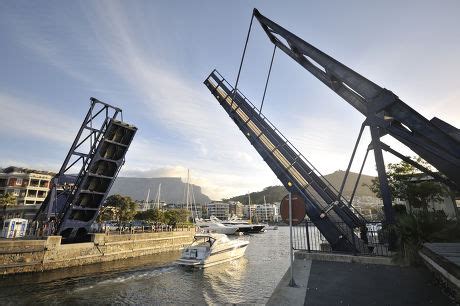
x=212 y=249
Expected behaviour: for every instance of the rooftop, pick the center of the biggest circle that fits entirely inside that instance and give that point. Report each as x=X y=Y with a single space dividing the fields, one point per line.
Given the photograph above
x=14 y=169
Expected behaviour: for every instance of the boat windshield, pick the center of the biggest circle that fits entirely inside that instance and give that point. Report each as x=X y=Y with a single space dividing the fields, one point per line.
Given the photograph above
x=203 y=241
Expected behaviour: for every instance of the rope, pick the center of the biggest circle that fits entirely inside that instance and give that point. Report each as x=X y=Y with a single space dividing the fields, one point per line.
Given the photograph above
x=268 y=78
x=242 y=59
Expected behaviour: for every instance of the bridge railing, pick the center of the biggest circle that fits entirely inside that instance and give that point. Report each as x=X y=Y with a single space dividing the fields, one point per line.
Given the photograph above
x=307 y=237
x=216 y=77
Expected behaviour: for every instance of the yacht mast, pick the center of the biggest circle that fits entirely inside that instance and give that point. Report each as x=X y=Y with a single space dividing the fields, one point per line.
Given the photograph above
x=187 y=198
x=159 y=194
x=265 y=206
x=147 y=200
x=250 y=213
x=194 y=203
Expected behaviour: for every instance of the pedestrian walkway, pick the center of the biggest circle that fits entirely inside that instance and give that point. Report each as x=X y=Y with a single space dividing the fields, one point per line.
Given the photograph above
x=444 y=260
x=339 y=283
x=353 y=283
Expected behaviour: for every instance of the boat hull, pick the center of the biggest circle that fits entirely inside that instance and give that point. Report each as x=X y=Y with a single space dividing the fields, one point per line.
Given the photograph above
x=247 y=228
x=215 y=258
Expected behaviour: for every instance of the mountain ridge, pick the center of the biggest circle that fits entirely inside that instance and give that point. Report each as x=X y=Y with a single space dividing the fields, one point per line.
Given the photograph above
x=276 y=193
x=172 y=189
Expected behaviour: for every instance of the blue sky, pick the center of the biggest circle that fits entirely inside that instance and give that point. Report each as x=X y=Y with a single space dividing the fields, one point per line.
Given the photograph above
x=150 y=58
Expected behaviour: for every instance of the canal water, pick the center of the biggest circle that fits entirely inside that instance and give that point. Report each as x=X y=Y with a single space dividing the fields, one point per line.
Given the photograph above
x=157 y=280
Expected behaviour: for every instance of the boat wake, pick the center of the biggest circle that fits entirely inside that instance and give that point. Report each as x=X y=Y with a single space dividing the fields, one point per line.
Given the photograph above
x=130 y=277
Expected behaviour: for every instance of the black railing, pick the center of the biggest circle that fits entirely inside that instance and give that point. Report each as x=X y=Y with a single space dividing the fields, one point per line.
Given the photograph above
x=307 y=237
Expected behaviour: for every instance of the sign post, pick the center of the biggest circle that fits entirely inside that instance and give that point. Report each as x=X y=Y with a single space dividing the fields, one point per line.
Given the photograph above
x=291 y=255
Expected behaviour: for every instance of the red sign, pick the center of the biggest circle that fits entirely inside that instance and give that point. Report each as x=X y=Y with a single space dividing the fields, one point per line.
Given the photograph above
x=298 y=209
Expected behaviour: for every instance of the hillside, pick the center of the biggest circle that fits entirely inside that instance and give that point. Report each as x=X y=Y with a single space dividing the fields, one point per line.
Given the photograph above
x=276 y=193
x=172 y=189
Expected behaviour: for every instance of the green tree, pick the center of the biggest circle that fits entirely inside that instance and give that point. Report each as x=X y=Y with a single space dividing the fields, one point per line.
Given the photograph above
x=174 y=216
x=140 y=215
x=416 y=229
x=157 y=216
x=7 y=199
x=124 y=207
x=107 y=213
x=170 y=217
x=151 y=215
x=406 y=183
x=183 y=215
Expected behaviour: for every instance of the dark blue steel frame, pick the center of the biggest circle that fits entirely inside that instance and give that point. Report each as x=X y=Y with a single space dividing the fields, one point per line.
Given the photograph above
x=82 y=199
x=434 y=140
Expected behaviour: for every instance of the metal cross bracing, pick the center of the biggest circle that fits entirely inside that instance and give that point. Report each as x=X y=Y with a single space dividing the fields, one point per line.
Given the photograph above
x=92 y=164
x=331 y=213
x=434 y=140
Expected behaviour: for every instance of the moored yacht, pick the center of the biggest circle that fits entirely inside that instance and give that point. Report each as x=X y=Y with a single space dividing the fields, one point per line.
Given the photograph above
x=244 y=226
x=212 y=249
x=213 y=226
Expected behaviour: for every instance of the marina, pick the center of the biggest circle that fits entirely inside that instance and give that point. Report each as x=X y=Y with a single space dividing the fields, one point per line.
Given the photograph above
x=155 y=279
x=98 y=204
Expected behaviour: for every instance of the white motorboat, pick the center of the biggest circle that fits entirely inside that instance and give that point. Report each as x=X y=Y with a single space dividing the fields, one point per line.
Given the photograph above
x=213 y=226
x=212 y=249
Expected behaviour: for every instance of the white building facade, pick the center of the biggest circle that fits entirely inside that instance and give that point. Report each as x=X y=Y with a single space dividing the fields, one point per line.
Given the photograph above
x=220 y=210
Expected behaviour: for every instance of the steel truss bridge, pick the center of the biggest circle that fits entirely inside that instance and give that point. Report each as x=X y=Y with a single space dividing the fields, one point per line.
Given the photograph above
x=434 y=140
x=88 y=172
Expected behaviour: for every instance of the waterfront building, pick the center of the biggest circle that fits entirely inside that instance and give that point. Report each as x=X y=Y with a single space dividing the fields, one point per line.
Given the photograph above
x=218 y=209
x=249 y=214
x=29 y=186
x=267 y=212
x=235 y=209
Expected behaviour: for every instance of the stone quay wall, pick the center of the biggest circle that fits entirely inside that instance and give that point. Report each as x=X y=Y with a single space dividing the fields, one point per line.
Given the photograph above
x=20 y=256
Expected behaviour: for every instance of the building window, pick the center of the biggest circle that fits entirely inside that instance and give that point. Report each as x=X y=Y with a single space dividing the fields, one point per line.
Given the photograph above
x=16 y=192
x=18 y=181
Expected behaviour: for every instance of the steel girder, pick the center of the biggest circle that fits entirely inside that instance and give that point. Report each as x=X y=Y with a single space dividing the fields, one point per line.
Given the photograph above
x=434 y=140
x=96 y=155
x=333 y=215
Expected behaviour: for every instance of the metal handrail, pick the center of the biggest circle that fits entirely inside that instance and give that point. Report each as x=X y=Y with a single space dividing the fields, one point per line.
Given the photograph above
x=278 y=132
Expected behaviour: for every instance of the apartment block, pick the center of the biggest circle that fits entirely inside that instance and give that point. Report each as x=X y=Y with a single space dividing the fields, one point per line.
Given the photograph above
x=29 y=186
x=262 y=212
x=219 y=210
x=235 y=209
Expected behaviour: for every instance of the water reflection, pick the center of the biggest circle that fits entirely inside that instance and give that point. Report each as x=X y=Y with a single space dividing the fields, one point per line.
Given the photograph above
x=225 y=281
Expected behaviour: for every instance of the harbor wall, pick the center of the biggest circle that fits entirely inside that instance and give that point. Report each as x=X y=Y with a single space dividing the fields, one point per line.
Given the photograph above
x=20 y=256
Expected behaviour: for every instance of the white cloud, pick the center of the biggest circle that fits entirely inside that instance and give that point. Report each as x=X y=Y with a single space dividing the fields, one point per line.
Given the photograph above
x=28 y=118
x=222 y=161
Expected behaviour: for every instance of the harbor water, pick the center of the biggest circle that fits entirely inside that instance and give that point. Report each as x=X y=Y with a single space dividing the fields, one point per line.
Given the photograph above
x=157 y=280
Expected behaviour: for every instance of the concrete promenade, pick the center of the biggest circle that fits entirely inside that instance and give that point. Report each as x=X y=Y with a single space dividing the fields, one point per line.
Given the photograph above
x=20 y=256
x=443 y=259
x=330 y=279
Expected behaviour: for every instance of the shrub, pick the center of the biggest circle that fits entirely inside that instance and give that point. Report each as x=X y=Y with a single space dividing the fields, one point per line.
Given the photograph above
x=415 y=229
